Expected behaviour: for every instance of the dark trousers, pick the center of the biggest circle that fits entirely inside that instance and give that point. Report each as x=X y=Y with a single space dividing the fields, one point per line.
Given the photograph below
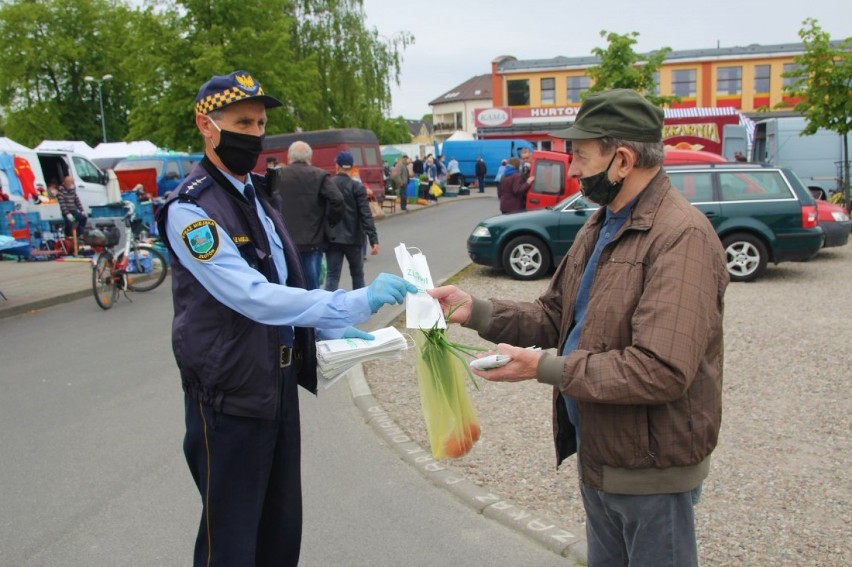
x=480 y=183
x=312 y=265
x=248 y=473
x=80 y=219
x=334 y=258
x=657 y=529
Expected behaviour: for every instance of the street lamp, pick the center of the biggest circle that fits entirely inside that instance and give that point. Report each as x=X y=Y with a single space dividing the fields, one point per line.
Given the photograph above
x=100 y=83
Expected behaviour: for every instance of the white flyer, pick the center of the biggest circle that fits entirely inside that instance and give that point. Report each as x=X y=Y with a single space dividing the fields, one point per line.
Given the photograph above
x=422 y=311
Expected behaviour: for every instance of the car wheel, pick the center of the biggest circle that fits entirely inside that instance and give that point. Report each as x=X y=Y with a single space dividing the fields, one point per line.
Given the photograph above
x=526 y=258
x=746 y=257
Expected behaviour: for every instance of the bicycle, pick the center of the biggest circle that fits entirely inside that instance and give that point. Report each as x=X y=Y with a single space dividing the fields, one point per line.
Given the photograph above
x=138 y=267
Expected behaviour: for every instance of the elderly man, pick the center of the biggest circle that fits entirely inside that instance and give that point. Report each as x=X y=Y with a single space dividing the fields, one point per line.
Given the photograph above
x=634 y=312
x=311 y=206
x=243 y=334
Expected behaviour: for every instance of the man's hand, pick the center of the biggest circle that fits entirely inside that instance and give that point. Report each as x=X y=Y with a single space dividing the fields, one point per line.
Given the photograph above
x=523 y=366
x=449 y=296
x=374 y=250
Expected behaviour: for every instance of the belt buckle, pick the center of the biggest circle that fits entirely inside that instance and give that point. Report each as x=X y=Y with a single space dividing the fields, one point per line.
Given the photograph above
x=286 y=356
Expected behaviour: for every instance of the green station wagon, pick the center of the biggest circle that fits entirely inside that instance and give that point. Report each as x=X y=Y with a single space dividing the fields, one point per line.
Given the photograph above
x=761 y=213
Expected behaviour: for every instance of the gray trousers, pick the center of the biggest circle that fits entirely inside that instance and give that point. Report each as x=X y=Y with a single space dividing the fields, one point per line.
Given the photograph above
x=654 y=531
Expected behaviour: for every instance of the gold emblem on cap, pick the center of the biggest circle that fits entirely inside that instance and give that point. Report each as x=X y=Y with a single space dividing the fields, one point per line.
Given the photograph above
x=246 y=81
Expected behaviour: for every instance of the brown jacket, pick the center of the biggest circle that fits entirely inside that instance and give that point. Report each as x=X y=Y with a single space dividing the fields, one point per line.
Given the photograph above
x=647 y=373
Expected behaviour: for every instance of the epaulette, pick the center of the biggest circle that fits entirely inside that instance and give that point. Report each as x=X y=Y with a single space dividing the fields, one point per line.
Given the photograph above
x=191 y=188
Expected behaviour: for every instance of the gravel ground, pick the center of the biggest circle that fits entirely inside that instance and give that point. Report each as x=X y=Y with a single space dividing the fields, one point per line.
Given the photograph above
x=779 y=487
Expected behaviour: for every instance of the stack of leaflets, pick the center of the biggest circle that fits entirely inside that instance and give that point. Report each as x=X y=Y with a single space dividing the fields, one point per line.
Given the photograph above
x=336 y=356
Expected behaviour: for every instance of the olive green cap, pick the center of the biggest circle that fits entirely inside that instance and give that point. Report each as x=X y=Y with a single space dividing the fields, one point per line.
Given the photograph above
x=617 y=113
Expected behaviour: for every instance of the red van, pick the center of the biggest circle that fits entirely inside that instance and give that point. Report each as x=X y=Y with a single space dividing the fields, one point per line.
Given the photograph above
x=326 y=144
x=552 y=183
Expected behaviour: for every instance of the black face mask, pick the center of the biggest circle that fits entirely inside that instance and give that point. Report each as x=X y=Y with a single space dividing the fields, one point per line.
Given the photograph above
x=238 y=152
x=599 y=188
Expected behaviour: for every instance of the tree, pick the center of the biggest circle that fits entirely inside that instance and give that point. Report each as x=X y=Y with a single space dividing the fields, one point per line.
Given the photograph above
x=355 y=65
x=394 y=131
x=823 y=84
x=316 y=56
x=47 y=51
x=622 y=68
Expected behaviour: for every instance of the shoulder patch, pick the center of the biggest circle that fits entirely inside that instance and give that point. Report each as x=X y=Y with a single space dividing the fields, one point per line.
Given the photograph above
x=202 y=239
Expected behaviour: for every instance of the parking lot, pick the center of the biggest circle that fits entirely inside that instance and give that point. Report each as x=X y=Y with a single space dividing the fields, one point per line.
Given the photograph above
x=780 y=487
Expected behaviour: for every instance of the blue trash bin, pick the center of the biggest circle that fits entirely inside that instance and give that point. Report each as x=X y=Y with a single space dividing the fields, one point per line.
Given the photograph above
x=413 y=185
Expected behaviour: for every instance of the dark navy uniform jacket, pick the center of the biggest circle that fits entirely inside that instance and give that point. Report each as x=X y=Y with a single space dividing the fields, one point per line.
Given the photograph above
x=231 y=314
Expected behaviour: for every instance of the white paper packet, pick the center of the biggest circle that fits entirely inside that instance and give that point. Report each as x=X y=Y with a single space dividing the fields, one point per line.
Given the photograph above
x=422 y=311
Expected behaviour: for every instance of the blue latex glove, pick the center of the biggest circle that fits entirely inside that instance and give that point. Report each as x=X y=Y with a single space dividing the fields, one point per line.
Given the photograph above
x=387 y=288
x=355 y=333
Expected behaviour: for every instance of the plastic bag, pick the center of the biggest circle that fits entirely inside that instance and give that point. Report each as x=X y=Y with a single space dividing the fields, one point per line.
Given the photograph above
x=376 y=210
x=451 y=421
x=435 y=190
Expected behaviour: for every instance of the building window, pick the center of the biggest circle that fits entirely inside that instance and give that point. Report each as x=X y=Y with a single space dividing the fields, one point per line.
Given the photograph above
x=729 y=80
x=795 y=70
x=576 y=87
x=761 y=78
x=548 y=91
x=655 y=90
x=519 y=92
x=683 y=82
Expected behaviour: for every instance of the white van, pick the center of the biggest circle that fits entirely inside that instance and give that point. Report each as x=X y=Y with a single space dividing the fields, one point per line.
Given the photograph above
x=55 y=165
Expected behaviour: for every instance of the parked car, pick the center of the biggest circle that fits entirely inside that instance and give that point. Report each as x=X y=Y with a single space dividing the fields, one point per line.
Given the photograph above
x=761 y=213
x=835 y=222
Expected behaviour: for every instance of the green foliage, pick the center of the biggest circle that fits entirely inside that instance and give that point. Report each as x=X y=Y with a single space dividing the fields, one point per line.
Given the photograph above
x=394 y=131
x=316 y=56
x=622 y=68
x=823 y=83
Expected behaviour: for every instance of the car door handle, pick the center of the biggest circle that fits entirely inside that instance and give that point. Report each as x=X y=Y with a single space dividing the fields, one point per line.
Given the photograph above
x=534 y=201
x=710 y=214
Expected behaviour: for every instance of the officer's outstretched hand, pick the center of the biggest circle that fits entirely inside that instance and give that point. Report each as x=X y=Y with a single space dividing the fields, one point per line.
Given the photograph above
x=356 y=333
x=388 y=288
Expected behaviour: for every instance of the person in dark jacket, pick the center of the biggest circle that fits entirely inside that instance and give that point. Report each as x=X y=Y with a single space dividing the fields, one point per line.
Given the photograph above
x=480 y=170
x=512 y=189
x=243 y=334
x=635 y=315
x=350 y=231
x=311 y=205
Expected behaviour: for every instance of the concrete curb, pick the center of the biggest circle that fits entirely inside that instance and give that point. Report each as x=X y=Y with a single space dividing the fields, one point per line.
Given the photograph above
x=567 y=542
x=43 y=303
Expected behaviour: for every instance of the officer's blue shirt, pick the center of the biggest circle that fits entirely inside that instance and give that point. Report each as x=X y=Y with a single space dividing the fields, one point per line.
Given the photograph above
x=610 y=227
x=229 y=278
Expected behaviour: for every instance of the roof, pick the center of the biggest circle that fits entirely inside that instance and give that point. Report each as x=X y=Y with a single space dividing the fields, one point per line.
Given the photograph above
x=415 y=126
x=511 y=65
x=475 y=88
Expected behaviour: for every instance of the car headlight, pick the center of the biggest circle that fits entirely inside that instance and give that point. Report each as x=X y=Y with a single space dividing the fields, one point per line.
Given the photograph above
x=481 y=232
x=839 y=216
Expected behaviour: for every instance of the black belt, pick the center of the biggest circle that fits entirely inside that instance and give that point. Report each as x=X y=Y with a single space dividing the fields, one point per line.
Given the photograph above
x=286 y=356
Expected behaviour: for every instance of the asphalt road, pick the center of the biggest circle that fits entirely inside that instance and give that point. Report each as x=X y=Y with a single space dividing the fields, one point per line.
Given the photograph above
x=91 y=431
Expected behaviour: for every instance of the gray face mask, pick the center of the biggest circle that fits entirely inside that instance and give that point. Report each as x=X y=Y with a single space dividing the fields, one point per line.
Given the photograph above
x=599 y=188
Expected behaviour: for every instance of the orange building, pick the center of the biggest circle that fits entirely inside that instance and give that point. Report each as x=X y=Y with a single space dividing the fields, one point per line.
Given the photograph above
x=545 y=93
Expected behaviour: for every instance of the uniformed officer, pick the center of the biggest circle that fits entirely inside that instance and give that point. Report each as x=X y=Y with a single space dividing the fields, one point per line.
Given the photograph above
x=244 y=333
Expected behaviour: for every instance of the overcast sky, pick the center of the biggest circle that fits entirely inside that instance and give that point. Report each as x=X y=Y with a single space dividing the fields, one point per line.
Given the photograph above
x=457 y=39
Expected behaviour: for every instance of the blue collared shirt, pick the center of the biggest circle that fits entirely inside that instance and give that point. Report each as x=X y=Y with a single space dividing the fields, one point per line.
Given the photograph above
x=610 y=227
x=235 y=284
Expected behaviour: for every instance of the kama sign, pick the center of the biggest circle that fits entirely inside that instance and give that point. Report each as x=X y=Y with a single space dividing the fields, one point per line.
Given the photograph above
x=507 y=115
